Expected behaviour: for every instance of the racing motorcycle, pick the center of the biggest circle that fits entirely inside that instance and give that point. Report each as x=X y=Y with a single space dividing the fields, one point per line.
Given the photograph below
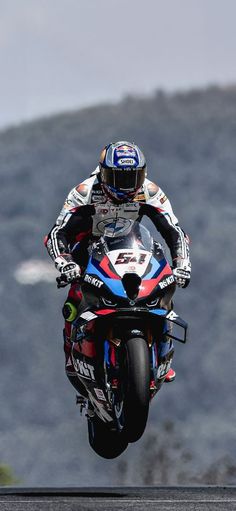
x=122 y=338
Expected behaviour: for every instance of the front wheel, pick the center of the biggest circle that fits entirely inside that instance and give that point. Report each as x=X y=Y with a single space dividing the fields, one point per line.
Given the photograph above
x=136 y=378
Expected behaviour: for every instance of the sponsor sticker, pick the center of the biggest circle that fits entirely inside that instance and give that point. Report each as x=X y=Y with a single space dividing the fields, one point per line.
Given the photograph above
x=163 y=199
x=127 y=162
x=129 y=257
x=88 y=315
x=100 y=394
x=166 y=282
x=68 y=204
x=84 y=369
x=172 y=315
x=98 y=198
x=93 y=280
x=116 y=228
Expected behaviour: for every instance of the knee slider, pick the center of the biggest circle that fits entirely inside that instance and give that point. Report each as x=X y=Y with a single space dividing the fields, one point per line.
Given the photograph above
x=69 y=311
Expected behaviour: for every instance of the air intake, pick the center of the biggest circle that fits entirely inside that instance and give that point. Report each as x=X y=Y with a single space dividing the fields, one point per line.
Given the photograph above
x=131 y=283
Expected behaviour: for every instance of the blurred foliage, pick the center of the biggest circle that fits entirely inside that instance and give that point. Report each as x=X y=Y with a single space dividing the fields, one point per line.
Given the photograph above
x=6 y=476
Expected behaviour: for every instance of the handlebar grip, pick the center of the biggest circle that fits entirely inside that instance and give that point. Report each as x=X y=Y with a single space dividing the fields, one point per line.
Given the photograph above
x=62 y=282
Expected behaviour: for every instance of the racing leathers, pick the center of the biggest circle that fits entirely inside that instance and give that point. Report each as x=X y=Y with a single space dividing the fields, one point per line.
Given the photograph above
x=83 y=218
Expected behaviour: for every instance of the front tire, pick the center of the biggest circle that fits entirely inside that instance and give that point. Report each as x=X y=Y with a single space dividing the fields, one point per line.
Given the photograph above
x=137 y=380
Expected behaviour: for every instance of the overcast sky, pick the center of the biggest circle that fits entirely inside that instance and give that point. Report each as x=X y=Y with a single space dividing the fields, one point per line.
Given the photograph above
x=64 y=54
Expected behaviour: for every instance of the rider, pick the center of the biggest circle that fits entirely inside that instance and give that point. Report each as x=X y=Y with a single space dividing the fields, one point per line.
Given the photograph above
x=117 y=190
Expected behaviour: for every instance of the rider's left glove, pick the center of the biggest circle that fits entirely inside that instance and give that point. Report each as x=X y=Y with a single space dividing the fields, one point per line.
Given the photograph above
x=182 y=272
x=68 y=269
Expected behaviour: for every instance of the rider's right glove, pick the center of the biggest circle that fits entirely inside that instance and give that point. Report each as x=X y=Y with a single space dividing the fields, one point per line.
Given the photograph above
x=68 y=269
x=182 y=271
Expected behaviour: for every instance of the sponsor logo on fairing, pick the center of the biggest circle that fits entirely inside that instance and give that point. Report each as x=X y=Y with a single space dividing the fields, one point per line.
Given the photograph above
x=84 y=369
x=166 y=282
x=100 y=394
x=93 y=280
x=127 y=257
x=172 y=315
x=88 y=315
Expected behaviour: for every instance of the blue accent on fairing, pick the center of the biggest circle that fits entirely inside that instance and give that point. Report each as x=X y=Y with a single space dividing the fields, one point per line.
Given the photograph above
x=93 y=263
x=156 y=268
x=106 y=352
x=154 y=358
x=114 y=285
x=164 y=348
x=158 y=312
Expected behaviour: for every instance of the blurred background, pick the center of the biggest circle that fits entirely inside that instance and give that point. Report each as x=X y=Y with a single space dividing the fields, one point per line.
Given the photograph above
x=74 y=76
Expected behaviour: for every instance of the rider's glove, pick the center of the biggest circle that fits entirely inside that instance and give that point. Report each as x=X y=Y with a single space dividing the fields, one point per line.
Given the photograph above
x=68 y=269
x=182 y=271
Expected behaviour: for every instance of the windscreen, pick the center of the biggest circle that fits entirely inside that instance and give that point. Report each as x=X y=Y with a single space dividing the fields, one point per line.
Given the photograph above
x=138 y=238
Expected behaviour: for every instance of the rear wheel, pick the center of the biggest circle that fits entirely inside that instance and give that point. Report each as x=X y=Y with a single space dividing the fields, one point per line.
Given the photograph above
x=136 y=398
x=105 y=443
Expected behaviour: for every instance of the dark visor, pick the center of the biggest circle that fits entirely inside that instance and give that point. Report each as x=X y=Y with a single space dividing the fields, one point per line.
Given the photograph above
x=124 y=179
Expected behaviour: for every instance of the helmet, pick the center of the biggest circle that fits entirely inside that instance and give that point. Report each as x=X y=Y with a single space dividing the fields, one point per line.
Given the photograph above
x=122 y=170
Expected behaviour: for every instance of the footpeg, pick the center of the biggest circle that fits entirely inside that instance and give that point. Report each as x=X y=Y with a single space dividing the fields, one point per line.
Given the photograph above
x=80 y=400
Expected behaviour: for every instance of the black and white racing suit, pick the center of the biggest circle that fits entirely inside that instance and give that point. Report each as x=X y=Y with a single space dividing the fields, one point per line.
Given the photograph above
x=86 y=212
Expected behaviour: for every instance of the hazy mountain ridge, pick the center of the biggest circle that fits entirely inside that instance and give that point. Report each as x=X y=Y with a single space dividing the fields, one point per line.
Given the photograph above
x=189 y=142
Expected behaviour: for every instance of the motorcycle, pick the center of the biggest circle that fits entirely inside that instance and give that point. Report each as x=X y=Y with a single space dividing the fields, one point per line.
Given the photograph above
x=122 y=338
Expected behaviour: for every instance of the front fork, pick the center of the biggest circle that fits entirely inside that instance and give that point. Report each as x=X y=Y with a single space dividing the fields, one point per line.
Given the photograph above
x=162 y=352
x=161 y=355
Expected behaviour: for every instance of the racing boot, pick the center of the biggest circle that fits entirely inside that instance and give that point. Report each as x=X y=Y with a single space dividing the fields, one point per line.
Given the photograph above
x=170 y=376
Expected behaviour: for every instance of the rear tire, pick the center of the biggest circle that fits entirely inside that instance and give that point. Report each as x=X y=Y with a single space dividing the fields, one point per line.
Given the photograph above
x=105 y=443
x=137 y=393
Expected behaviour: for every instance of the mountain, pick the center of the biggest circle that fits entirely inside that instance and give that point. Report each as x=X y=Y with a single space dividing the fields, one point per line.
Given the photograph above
x=189 y=142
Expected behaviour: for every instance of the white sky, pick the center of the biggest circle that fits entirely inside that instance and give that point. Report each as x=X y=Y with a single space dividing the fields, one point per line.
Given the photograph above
x=63 y=54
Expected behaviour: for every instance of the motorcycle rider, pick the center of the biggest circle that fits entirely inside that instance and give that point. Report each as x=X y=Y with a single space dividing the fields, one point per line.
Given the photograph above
x=117 y=190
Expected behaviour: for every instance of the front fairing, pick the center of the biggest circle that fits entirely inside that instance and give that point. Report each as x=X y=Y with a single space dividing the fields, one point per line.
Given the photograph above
x=115 y=255
x=145 y=315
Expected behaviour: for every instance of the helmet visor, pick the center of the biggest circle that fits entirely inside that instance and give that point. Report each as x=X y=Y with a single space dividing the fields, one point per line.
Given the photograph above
x=124 y=179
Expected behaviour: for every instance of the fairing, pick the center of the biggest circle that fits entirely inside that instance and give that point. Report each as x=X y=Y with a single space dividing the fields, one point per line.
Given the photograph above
x=116 y=254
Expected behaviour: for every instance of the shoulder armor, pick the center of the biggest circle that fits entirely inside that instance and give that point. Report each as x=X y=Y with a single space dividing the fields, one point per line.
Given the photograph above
x=82 y=189
x=152 y=188
x=154 y=192
x=79 y=196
